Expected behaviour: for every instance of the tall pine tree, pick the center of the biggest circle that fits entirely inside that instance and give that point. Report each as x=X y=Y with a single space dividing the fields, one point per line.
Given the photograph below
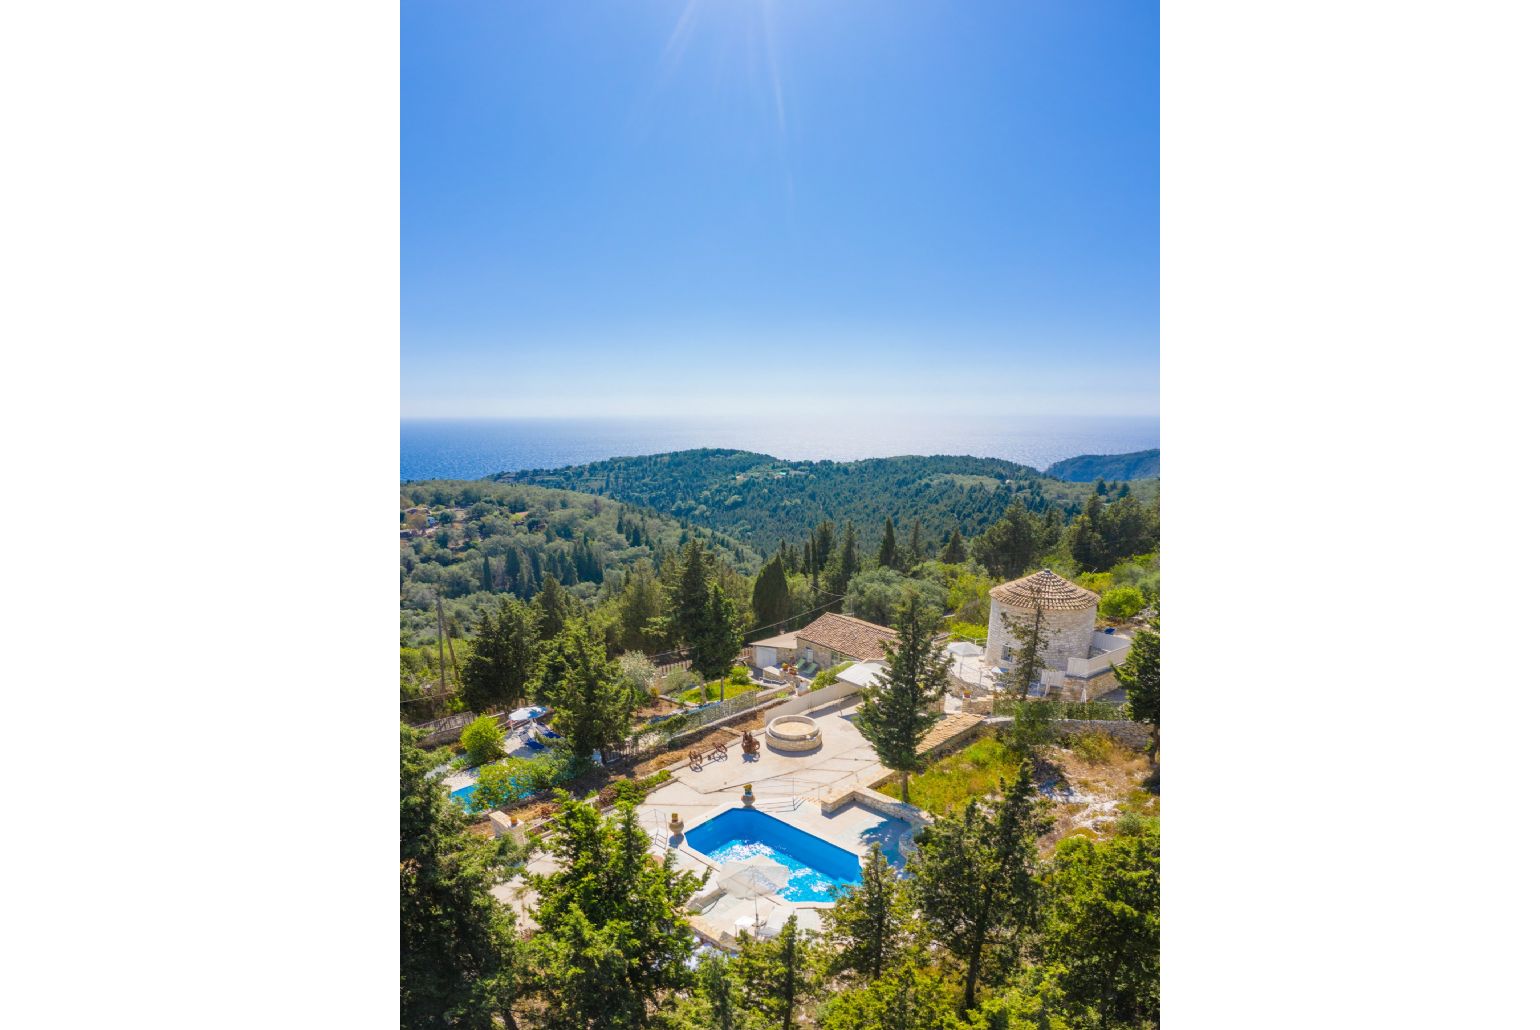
x=591 y=697
x=871 y=925
x=976 y=880
x=721 y=638
x=903 y=702
x=613 y=944
x=772 y=595
x=887 y=554
x=1140 y=676
x=956 y=553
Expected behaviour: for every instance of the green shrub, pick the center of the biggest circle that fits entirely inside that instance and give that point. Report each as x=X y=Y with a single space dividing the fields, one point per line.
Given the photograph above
x=977 y=632
x=1122 y=603
x=503 y=783
x=1095 y=748
x=482 y=740
x=677 y=680
x=635 y=791
x=1096 y=582
x=827 y=677
x=739 y=675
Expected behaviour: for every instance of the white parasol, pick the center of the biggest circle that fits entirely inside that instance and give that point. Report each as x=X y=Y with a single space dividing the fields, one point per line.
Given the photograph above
x=752 y=880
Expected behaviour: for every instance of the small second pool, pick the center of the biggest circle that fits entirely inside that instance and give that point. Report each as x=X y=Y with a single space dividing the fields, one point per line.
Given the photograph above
x=820 y=871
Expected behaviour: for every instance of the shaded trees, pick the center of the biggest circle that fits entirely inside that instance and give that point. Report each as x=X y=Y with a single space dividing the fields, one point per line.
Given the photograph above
x=504 y=656
x=1017 y=540
x=460 y=957
x=591 y=698
x=612 y=944
x=976 y=879
x=871 y=925
x=1101 y=924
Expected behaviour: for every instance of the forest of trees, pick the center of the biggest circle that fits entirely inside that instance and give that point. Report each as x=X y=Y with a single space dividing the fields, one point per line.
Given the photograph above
x=518 y=562
x=762 y=500
x=489 y=540
x=559 y=597
x=1088 y=468
x=987 y=930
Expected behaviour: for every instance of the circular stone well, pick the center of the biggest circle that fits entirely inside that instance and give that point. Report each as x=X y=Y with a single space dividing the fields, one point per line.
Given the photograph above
x=793 y=733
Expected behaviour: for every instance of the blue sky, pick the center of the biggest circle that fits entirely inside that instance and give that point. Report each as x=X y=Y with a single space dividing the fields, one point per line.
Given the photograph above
x=761 y=206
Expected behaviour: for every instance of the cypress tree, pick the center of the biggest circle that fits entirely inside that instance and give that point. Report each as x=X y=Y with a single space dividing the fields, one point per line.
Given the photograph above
x=1026 y=655
x=688 y=598
x=849 y=561
x=955 y=553
x=503 y=657
x=512 y=571
x=776 y=973
x=772 y=595
x=554 y=606
x=460 y=951
x=613 y=945
x=916 y=550
x=898 y=712
x=720 y=640
x=887 y=555
x=591 y=696
x=872 y=923
x=486 y=573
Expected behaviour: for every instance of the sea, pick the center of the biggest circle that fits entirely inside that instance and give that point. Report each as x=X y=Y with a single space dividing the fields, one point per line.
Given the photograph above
x=473 y=448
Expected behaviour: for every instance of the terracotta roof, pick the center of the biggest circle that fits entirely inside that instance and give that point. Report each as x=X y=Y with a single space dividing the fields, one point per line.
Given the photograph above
x=1046 y=591
x=848 y=635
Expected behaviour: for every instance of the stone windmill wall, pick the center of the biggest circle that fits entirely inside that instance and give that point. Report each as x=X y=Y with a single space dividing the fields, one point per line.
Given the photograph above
x=1069 y=618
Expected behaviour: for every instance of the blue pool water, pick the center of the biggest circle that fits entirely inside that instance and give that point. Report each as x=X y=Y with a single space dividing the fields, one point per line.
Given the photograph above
x=820 y=871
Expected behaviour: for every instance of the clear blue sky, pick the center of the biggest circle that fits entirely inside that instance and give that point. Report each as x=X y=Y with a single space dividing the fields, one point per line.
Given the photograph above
x=724 y=205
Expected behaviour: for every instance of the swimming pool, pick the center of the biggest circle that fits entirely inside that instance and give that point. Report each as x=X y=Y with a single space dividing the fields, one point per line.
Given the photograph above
x=820 y=871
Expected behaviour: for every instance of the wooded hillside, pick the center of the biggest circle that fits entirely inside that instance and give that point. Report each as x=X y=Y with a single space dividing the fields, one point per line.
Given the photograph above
x=763 y=500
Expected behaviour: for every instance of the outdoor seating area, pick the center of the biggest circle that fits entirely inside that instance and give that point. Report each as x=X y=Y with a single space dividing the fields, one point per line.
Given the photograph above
x=715 y=753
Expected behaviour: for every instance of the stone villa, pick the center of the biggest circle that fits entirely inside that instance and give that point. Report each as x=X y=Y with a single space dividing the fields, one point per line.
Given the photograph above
x=1077 y=659
x=825 y=642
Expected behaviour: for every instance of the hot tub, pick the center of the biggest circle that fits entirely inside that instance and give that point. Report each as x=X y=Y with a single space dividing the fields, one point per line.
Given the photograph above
x=793 y=733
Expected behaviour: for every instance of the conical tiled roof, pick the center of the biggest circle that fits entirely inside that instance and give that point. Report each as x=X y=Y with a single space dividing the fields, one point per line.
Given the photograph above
x=1046 y=591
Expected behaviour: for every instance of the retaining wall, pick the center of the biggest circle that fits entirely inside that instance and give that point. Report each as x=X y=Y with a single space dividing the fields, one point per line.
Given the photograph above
x=1130 y=734
x=813 y=699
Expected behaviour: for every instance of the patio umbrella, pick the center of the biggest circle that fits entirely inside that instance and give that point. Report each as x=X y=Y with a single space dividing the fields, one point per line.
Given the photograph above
x=752 y=880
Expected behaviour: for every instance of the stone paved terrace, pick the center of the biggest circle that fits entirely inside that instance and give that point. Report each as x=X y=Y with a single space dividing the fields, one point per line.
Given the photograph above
x=788 y=786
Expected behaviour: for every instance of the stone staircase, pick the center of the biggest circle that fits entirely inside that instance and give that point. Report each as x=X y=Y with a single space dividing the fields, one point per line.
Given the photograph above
x=952 y=726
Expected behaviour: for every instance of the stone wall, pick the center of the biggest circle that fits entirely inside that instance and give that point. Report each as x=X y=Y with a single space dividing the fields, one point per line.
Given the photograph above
x=1135 y=735
x=1067 y=635
x=891 y=807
